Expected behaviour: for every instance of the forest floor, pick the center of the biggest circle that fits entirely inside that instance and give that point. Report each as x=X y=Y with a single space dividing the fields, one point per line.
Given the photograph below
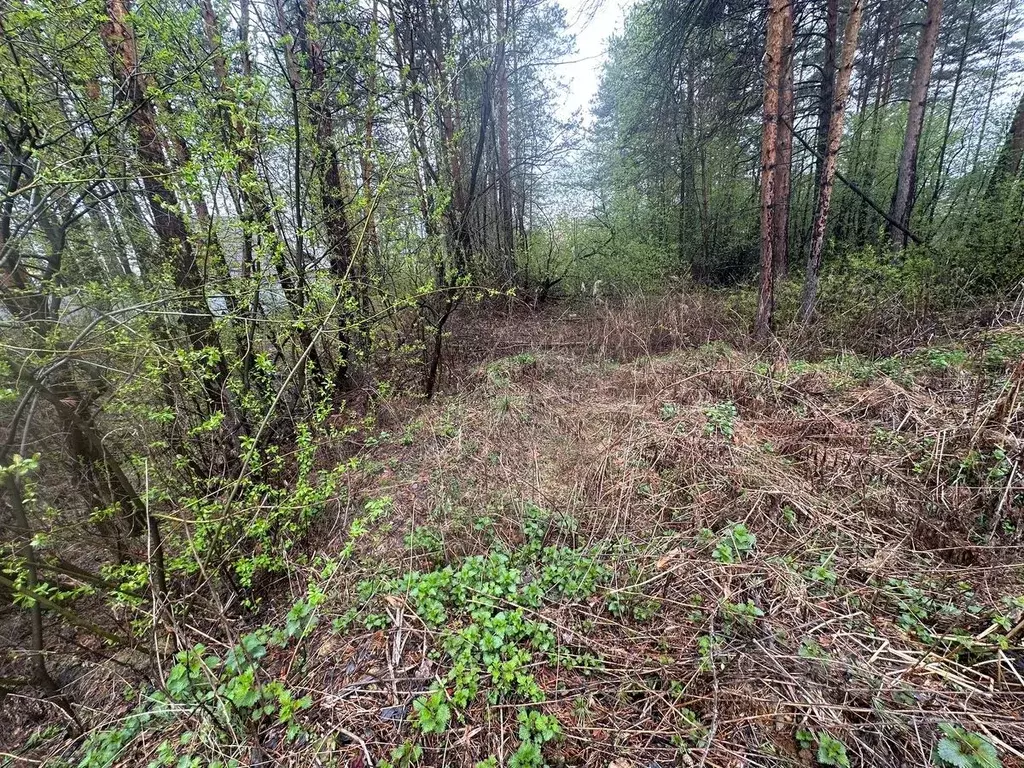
x=635 y=541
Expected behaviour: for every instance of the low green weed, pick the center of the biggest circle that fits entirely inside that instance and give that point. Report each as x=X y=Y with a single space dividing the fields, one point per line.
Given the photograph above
x=490 y=634
x=721 y=419
x=535 y=730
x=735 y=542
x=960 y=748
x=741 y=614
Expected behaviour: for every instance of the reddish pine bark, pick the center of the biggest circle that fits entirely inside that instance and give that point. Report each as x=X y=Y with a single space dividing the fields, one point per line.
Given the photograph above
x=830 y=161
x=769 y=157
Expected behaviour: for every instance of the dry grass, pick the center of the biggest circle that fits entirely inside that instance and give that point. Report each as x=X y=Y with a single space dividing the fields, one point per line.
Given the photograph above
x=855 y=482
x=888 y=530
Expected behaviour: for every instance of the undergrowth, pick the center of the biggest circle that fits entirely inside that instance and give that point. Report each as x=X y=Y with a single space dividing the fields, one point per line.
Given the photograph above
x=704 y=554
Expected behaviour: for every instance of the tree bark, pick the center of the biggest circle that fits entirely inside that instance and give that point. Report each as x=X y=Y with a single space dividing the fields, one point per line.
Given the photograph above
x=826 y=88
x=773 y=56
x=947 y=130
x=784 y=153
x=992 y=88
x=505 y=221
x=366 y=156
x=906 y=181
x=828 y=165
x=340 y=251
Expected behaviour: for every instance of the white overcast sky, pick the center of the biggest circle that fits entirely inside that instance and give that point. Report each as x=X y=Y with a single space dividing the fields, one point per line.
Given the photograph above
x=592 y=22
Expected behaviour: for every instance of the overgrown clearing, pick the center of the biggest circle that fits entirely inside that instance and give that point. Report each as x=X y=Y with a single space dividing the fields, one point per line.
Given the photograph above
x=705 y=556
x=364 y=403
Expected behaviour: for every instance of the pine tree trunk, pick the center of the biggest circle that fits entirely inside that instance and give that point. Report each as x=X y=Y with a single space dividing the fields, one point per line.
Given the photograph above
x=784 y=156
x=830 y=161
x=1008 y=164
x=773 y=56
x=947 y=130
x=826 y=89
x=992 y=88
x=906 y=180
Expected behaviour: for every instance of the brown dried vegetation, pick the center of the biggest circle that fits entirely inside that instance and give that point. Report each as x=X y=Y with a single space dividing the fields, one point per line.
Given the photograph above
x=884 y=495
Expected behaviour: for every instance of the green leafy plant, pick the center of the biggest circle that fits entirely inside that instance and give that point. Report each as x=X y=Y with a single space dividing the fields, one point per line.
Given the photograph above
x=810 y=649
x=960 y=748
x=690 y=732
x=804 y=738
x=823 y=574
x=721 y=419
x=424 y=538
x=230 y=692
x=432 y=713
x=707 y=645
x=491 y=635
x=528 y=755
x=735 y=542
x=745 y=613
x=832 y=751
x=405 y=755
x=535 y=730
x=538 y=727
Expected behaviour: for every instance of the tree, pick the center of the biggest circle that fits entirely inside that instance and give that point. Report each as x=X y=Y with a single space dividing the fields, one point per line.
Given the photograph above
x=906 y=176
x=827 y=82
x=784 y=152
x=831 y=159
x=774 y=53
x=1008 y=163
x=132 y=86
x=506 y=242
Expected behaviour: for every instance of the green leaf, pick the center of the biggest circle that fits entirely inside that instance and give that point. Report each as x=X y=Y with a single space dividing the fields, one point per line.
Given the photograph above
x=832 y=751
x=949 y=754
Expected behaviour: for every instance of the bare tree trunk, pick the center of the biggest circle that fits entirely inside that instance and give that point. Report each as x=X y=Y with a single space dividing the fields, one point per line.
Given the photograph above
x=294 y=283
x=342 y=259
x=828 y=165
x=460 y=243
x=773 y=56
x=826 y=89
x=993 y=83
x=252 y=211
x=505 y=223
x=784 y=156
x=947 y=130
x=906 y=180
x=366 y=156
